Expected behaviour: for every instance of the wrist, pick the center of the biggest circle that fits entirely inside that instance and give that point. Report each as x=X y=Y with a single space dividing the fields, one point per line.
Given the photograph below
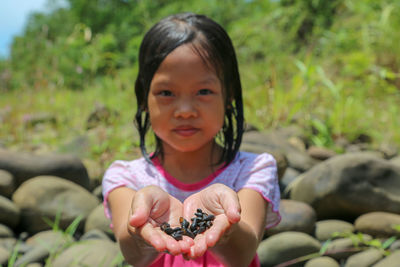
x=136 y=250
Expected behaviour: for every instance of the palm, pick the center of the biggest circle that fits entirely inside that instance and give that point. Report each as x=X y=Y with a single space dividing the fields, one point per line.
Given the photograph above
x=220 y=201
x=151 y=207
x=166 y=211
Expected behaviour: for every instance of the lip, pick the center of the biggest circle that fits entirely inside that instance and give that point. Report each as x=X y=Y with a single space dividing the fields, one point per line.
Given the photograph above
x=185 y=131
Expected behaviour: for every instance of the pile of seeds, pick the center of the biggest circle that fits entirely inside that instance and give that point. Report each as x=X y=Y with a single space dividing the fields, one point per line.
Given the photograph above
x=199 y=224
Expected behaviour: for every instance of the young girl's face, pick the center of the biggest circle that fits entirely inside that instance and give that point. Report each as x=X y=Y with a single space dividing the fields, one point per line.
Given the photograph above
x=185 y=101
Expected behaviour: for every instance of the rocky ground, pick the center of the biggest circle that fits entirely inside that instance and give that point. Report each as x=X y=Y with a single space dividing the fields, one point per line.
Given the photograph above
x=337 y=209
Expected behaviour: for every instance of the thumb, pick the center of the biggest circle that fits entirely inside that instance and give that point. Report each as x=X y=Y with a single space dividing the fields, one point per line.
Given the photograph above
x=140 y=209
x=230 y=204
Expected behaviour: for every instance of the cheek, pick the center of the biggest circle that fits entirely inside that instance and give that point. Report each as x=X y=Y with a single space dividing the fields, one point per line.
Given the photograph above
x=219 y=118
x=153 y=107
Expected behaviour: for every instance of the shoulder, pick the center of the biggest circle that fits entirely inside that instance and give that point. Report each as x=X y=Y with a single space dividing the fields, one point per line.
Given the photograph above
x=128 y=166
x=134 y=174
x=251 y=160
x=127 y=170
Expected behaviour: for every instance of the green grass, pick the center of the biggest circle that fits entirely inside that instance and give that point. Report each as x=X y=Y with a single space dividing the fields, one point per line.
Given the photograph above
x=341 y=80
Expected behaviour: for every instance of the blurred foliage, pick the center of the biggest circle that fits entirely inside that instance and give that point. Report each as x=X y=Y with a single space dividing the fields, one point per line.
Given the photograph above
x=331 y=66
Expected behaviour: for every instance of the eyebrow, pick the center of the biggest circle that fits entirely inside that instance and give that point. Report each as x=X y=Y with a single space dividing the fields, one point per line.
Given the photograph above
x=207 y=80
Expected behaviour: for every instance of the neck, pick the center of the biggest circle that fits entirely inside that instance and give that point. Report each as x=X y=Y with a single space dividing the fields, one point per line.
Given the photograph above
x=193 y=166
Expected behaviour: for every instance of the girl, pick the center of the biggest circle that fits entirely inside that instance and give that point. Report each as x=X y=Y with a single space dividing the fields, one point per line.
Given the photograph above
x=188 y=91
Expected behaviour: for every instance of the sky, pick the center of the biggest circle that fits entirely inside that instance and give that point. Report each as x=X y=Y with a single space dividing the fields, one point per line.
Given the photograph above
x=13 y=17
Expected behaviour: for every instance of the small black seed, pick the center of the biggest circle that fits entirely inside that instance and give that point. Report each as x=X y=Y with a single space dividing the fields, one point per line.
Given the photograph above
x=177 y=236
x=201 y=229
x=169 y=230
x=193 y=227
x=209 y=217
x=176 y=229
x=184 y=223
x=189 y=233
x=200 y=223
x=164 y=225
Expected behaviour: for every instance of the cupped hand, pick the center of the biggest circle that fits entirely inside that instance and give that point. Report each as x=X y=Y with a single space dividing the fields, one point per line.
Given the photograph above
x=152 y=206
x=220 y=201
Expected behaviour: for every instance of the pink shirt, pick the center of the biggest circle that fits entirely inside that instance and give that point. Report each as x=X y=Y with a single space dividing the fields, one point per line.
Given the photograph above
x=247 y=170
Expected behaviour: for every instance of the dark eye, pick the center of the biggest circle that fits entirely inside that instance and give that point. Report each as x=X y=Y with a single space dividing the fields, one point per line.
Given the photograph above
x=165 y=93
x=205 y=92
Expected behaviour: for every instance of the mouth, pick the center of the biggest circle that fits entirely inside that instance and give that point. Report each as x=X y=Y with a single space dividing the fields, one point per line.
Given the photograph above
x=185 y=131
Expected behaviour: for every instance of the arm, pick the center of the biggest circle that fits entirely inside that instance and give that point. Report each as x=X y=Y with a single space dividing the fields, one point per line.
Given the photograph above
x=135 y=250
x=136 y=216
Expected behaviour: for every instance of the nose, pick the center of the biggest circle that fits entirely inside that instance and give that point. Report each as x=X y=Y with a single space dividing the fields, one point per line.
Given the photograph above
x=185 y=108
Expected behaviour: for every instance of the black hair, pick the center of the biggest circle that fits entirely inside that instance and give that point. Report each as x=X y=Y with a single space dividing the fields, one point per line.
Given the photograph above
x=214 y=46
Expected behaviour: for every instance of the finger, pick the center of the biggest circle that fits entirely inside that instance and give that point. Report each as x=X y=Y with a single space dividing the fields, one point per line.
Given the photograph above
x=215 y=233
x=186 y=244
x=172 y=246
x=199 y=247
x=140 y=210
x=233 y=215
x=230 y=204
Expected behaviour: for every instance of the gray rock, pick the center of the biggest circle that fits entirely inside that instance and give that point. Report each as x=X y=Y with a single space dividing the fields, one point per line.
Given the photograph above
x=4 y=256
x=37 y=254
x=359 y=147
x=365 y=258
x=326 y=228
x=98 y=192
x=98 y=220
x=51 y=240
x=43 y=245
x=323 y=261
x=94 y=252
x=296 y=216
x=320 y=153
x=8 y=243
x=395 y=245
x=390 y=261
x=378 y=224
x=289 y=176
x=7 y=183
x=292 y=130
x=50 y=197
x=271 y=142
x=395 y=160
x=95 y=172
x=349 y=185
x=95 y=234
x=9 y=212
x=5 y=231
x=342 y=248
x=389 y=150
x=341 y=142
x=286 y=246
x=24 y=166
x=297 y=143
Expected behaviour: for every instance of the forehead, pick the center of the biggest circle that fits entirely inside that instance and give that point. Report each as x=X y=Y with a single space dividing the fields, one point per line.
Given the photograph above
x=187 y=60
